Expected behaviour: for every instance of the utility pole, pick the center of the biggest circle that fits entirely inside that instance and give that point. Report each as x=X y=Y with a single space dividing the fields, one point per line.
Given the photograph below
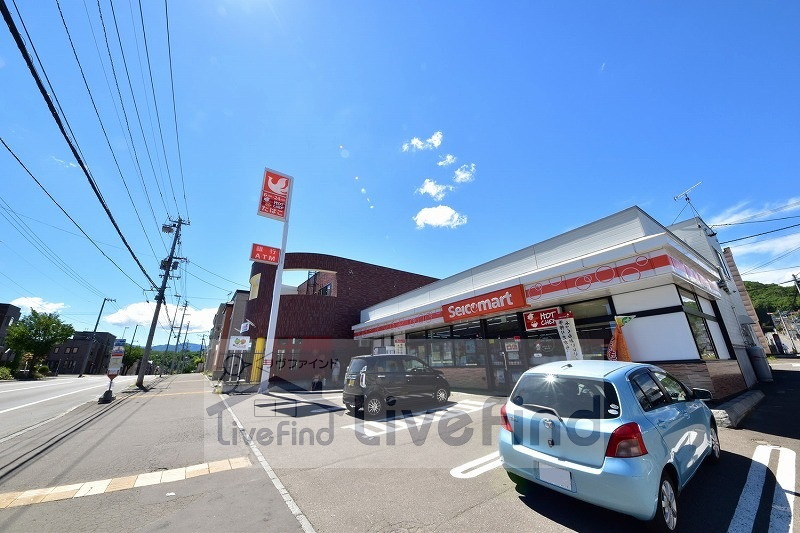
x=787 y=332
x=178 y=336
x=91 y=345
x=167 y=266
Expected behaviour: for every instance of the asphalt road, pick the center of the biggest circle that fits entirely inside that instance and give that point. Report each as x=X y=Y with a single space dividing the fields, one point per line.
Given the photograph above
x=310 y=466
x=26 y=403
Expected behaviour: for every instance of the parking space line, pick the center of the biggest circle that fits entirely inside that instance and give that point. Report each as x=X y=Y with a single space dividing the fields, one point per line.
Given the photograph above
x=477 y=467
x=91 y=488
x=371 y=428
x=783 y=498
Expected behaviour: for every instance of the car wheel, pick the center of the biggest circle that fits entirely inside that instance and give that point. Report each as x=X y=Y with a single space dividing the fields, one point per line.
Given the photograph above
x=373 y=406
x=716 y=448
x=666 y=518
x=441 y=395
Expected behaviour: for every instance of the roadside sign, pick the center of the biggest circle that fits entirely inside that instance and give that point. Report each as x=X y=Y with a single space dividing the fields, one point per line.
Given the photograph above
x=274 y=195
x=115 y=364
x=260 y=253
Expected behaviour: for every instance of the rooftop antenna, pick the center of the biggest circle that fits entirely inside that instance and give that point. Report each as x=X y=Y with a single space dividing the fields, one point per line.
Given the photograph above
x=685 y=194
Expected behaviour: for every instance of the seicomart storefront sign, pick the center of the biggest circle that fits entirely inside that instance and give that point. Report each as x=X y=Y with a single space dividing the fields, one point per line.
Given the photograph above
x=485 y=304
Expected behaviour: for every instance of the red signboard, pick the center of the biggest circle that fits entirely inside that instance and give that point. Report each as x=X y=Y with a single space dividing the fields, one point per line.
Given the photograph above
x=541 y=319
x=265 y=254
x=485 y=304
x=274 y=195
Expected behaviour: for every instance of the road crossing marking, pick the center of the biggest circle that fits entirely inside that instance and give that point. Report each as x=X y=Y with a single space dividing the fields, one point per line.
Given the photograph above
x=90 y=488
x=783 y=498
x=372 y=428
x=477 y=467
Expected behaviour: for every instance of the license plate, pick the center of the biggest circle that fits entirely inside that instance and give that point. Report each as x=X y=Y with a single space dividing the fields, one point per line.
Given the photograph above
x=555 y=476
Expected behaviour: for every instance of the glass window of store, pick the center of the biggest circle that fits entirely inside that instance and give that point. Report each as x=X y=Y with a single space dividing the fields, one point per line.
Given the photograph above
x=441 y=347
x=417 y=344
x=594 y=322
x=467 y=346
x=698 y=322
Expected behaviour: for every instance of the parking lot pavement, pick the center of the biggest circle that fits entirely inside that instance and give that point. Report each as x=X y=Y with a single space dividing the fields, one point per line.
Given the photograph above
x=437 y=469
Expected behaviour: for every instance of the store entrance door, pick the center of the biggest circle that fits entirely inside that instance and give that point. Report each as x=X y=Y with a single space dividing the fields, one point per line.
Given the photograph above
x=505 y=365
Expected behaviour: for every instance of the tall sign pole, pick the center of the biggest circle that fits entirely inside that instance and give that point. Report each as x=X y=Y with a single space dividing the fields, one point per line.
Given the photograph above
x=276 y=195
x=166 y=266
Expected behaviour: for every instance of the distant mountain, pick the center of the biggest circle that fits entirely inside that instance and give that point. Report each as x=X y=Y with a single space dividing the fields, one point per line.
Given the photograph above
x=190 y=346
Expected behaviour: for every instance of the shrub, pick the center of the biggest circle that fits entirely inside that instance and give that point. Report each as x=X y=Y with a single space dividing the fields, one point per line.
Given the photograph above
x=5 y=373
x=43 y=370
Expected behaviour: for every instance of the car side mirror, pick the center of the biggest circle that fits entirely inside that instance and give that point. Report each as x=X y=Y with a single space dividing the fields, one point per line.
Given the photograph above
x=701 y=394
x=517 y=400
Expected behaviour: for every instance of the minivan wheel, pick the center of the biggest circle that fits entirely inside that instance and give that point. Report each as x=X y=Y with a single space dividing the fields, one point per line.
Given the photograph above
x=441 y=395
x=666 y=518
x=373 y=406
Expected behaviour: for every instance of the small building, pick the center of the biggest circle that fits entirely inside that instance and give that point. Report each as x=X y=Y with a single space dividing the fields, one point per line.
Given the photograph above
x=92 y=349
x=560 y=299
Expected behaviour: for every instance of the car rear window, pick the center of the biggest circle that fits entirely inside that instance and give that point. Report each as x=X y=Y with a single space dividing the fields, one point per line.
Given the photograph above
x=569 y=396
x=356 y=365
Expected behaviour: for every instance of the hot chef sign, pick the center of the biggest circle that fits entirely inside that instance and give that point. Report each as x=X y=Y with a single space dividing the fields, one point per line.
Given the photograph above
x=543 y=318
x=485 y=304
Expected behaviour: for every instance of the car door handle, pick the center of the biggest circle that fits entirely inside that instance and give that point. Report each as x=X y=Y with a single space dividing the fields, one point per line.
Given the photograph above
x=661 y=423
x=382 y=376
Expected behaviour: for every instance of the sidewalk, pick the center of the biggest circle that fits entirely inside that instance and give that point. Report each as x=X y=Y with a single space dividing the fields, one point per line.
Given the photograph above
x=149 y=460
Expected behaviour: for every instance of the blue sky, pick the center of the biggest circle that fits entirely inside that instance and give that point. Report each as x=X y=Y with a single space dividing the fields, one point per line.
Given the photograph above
x=423 y=136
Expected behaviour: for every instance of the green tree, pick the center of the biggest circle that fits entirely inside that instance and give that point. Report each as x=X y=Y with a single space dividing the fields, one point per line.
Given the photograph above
x=132 y=354
x=771 y=298
x=36 y=334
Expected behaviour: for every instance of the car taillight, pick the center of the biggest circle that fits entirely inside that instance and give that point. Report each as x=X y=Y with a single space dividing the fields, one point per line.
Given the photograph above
x=504 y=416
x=626 y=441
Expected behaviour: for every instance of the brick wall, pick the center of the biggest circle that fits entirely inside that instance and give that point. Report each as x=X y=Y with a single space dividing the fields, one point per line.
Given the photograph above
x=722 y=377
x=466 y=378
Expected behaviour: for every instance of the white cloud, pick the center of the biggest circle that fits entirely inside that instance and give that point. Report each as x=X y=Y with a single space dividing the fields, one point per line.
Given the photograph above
x=439 y=216
x=464 y=173
x=37 y=304
x=771 y=247
x=740 y=212
x=141 y=313
x=777 y=276
x=434 y=141
x=436 y=191
x=447 y=160
x=363 y=190
x=65 y=164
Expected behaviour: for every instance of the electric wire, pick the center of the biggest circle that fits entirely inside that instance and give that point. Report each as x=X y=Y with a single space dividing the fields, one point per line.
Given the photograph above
x=760 y=234
x=753 y=221
x=103 y=128
x=771 y=261
x=174 y=111
x=217 y=275
x=67 y=214
x=155 y=103
x=767 y=212
x=61 y=126
x=135 y=107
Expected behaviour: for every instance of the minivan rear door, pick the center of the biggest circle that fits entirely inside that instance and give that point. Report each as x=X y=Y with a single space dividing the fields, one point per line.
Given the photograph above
x=566 y=417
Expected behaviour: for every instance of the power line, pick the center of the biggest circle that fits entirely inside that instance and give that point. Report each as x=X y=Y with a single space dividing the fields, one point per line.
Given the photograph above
x=68 y=215
x=217 y=275
x=760 y=234
x=102 y=126
x=767 y=212
x=174 y=111
x=752 y=221
x=155 y=103
x=772 y=260
x=23 y=50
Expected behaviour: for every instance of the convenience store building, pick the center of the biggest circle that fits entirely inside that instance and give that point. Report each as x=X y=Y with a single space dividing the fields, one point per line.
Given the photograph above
x=558 y=299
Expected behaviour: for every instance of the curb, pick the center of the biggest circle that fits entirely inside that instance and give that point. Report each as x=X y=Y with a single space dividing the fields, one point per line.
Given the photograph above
x=731 y=413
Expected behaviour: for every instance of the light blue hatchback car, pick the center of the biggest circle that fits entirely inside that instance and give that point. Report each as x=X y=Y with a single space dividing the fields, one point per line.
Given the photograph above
x=624 y=436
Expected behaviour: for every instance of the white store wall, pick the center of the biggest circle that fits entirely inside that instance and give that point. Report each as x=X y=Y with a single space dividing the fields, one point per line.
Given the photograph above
x=630 y=302
x=660 y=338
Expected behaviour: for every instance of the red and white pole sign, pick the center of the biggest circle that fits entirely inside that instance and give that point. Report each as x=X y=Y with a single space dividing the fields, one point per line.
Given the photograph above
x=265 y=254
x=274 y=195
x=115 y=364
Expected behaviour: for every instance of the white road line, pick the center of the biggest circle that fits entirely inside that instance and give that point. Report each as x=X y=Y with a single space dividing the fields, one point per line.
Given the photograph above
x=104 y=385
x=38 y=386
x=386 y=426
x=477 y=467
x=746 y=509
x=287 y=498
x=40 y=424
x=781 y=517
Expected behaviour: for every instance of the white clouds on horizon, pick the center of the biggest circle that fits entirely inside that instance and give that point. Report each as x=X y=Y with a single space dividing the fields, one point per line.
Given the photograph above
x=141 y=313
x=434 y=141
x=435 y=190
x=464 y=173
x=440 y=216
x=37 y=304
x=447 y=160
x=771 y=247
